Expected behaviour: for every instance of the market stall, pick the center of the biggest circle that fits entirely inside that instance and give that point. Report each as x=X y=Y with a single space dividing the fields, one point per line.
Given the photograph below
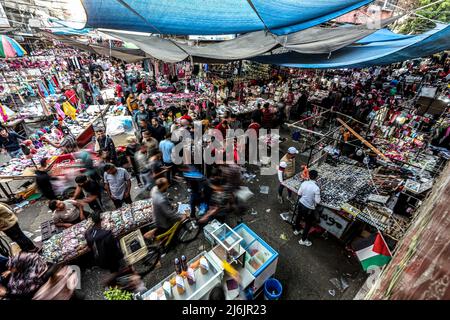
x=243 y=249
x=71 y=242
x=83 y=126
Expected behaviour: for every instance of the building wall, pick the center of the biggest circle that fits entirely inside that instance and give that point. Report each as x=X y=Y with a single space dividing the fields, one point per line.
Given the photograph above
x=420 y=268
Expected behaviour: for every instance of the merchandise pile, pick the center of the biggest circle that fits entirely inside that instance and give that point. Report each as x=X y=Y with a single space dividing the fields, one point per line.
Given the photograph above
x=71 y=242
x=338 y=184
x=84 y=119
x=16 y=166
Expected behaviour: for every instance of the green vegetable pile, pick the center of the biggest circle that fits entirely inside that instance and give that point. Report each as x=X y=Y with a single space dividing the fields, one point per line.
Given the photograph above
x=117 y=294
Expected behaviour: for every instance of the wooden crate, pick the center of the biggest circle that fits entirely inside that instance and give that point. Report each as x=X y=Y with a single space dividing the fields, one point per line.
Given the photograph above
x=125 y=244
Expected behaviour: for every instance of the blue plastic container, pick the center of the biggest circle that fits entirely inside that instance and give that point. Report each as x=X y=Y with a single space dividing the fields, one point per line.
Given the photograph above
x=272 y=289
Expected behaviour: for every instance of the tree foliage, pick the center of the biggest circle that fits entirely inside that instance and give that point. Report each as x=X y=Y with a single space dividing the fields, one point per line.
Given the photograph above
x=415 y=24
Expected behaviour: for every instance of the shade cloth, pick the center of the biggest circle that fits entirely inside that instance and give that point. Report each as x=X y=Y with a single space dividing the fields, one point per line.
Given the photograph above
x=370 y=54
x=314 y=40
x=212 y=17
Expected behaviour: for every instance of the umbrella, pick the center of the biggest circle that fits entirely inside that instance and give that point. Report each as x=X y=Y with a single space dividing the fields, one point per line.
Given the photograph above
x=9 y=48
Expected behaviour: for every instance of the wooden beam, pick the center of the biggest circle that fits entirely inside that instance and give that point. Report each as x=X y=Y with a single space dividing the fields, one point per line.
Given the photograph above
x=378 y=152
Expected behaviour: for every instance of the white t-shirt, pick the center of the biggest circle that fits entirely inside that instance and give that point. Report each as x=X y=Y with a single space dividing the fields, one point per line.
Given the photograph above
x=117 y=182
x=309 y=194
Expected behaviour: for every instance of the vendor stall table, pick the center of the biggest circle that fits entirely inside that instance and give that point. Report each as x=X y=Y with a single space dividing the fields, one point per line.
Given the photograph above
x=71 y=243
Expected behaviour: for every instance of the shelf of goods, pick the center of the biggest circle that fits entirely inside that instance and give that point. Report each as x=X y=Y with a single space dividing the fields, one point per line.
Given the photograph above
x=23 y=167
x=260 y=259
x=71 y=243
x=253 y=258
x=176 y=287
x=238 y=109
x=380 y=217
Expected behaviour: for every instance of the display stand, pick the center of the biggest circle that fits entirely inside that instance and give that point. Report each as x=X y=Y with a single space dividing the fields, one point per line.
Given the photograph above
x=243 y=249
x=199 y=290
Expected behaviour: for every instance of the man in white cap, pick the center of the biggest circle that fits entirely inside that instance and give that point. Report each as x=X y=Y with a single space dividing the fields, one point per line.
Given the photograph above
x=281 y=178
x=289 y=171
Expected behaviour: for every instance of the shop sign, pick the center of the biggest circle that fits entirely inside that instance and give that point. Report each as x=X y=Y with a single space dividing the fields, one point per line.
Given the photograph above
x=332 y=222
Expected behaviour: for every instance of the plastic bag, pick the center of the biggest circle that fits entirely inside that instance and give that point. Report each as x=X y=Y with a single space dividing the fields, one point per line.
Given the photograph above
x=118 y=125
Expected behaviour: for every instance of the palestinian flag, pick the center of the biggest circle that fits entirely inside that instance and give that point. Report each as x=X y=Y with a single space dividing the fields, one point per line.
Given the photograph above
x=372 y=251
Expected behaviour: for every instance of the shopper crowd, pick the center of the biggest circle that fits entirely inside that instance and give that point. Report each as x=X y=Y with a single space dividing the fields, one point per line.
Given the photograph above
x=214 y=190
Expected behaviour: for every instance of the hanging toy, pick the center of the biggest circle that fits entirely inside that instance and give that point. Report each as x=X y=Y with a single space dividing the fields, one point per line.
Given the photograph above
x=305 y=173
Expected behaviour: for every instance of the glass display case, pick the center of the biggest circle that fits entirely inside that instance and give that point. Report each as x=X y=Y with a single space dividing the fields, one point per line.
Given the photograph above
x=204 y=283
x=228 y=242
x=261 y=259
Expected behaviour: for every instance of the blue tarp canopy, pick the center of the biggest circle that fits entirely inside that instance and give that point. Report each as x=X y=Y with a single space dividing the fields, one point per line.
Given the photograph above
x=368 y=53
x=214 y=17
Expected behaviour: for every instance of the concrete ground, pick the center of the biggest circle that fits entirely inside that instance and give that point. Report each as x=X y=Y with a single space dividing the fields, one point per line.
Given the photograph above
x=304 y=272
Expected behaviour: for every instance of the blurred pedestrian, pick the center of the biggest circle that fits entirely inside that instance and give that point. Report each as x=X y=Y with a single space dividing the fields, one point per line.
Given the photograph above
x=130 y=152
x=9 y=225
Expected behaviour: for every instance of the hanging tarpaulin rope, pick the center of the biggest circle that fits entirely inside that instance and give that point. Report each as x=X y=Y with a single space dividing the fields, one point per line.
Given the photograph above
x=212 y=17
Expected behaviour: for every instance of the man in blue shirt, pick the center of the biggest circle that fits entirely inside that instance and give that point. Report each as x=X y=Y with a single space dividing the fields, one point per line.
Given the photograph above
x=166 y=146
x=9 y=141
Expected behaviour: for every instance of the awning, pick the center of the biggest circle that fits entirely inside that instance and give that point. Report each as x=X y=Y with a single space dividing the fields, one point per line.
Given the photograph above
x=212 y=17
x=314 y=40
x=127 y=55
x=370 y=54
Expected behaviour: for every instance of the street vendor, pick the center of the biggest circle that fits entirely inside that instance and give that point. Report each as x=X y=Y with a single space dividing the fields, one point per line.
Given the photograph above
x=105 y=143
x=309 y=198
x=66 y=213
x=68 y=143
x=9 y=142
x=288 y=171
x=89 y=191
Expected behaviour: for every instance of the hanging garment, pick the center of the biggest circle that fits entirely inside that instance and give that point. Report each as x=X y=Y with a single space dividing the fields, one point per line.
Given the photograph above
x=55 y=81
x=29 y=89
x=69 y=110
x=72 y=96
x=50 y=87
x=166 y=69
x=42 y=89
x=59 y=111
x=3 y=113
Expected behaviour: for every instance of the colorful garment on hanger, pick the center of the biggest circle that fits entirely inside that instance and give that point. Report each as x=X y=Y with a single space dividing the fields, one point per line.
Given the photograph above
x=29 y=89
x=51 y=89
x=3 y=113
x=71 y=96
x=59 y=111
x=69 y=110
x=42 y=89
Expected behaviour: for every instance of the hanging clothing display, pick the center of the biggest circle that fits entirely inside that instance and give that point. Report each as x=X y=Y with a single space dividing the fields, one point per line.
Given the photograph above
x=59 y=111
x=3 y=113
x=42 y=89
x=69 y=110
x=51 y=89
